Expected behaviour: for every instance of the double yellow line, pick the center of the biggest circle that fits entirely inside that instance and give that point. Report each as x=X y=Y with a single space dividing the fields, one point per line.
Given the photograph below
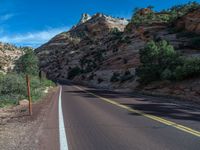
x=159 y=119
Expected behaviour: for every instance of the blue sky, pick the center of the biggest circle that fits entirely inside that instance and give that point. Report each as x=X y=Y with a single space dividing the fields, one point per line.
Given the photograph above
x=34 y=22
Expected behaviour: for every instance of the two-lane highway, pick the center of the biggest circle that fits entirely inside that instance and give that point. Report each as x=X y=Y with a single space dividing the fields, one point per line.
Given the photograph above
x=95 y=119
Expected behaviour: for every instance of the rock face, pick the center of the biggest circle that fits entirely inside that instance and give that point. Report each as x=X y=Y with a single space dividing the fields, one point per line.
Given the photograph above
x=190 y=22
x=8 y=55
x=104 y=51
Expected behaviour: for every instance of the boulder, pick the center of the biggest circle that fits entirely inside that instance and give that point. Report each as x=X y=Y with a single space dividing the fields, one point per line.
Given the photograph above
x=23 y=102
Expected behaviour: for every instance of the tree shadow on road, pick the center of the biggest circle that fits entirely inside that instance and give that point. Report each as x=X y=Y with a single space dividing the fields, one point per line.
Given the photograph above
x=168 y=111
x=162 y=107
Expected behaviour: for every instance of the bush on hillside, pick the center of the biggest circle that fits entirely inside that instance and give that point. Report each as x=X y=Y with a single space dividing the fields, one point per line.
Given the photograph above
x=165 y=16
x=115 y=77
x=195 y=42
x=12 y=87
x=100 y=80
x=139 y=19
x=189 y=69
x=181 y=10
x=92 y=61
x=126 y=76
x=161 y=62
x=74 y=72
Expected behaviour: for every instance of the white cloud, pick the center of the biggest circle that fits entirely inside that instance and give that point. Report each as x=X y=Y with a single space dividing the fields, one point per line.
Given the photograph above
x=33 y=39
x=6 y=17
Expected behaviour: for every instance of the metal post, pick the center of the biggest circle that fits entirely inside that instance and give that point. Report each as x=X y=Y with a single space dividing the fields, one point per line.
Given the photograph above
x=29 y=94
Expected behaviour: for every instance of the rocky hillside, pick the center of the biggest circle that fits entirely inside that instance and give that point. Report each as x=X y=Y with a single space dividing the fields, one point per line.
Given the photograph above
x=86 y=45
x=104 y=51
x=8 y=55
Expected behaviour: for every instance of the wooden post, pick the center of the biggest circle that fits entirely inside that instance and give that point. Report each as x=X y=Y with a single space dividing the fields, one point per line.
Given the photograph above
x=29 y=94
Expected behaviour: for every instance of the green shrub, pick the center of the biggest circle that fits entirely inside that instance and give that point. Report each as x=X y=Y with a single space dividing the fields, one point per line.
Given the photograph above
x=166 y=74
x=100 y=80
x=180 y=10
x=74 y=72
x=138 y=19
x=13 y=88
x=195 y=42
x=115 y=77
x=27 y=63
x=12 y=84
x=47 y=83
x=190 y=69
x=156 y=57
x=166 y=16
x=126 y=76
x=91 y=61
x=161 y=62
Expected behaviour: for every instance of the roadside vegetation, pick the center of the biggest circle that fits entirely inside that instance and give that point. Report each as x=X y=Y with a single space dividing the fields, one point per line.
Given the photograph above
x=13 y=84
x=161 y=62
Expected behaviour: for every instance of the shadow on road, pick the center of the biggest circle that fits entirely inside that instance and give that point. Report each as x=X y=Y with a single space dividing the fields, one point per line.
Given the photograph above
x=166 y=110
x=162 y=107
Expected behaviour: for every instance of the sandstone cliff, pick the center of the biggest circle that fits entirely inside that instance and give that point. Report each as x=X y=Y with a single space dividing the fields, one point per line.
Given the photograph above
x=190 y=22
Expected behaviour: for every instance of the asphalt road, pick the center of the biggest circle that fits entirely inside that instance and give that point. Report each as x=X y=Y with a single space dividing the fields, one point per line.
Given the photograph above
x=97 y=119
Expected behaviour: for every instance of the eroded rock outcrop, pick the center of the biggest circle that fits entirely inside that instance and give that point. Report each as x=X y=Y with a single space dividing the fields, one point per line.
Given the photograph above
x=190 y=22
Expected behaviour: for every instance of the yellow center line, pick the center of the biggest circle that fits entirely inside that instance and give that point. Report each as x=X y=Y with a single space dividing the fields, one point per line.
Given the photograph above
x=156 y=118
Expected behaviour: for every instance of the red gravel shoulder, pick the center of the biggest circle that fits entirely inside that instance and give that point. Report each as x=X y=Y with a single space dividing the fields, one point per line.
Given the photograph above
x=18 y=131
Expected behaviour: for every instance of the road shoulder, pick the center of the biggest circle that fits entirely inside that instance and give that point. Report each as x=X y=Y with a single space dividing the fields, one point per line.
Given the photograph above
x=23 y=131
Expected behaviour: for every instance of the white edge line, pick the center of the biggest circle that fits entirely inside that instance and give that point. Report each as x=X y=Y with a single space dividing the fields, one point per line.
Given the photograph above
x=62 y=133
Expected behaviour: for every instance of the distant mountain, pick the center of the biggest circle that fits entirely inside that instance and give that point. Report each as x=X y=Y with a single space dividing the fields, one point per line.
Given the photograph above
x=8 y=54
